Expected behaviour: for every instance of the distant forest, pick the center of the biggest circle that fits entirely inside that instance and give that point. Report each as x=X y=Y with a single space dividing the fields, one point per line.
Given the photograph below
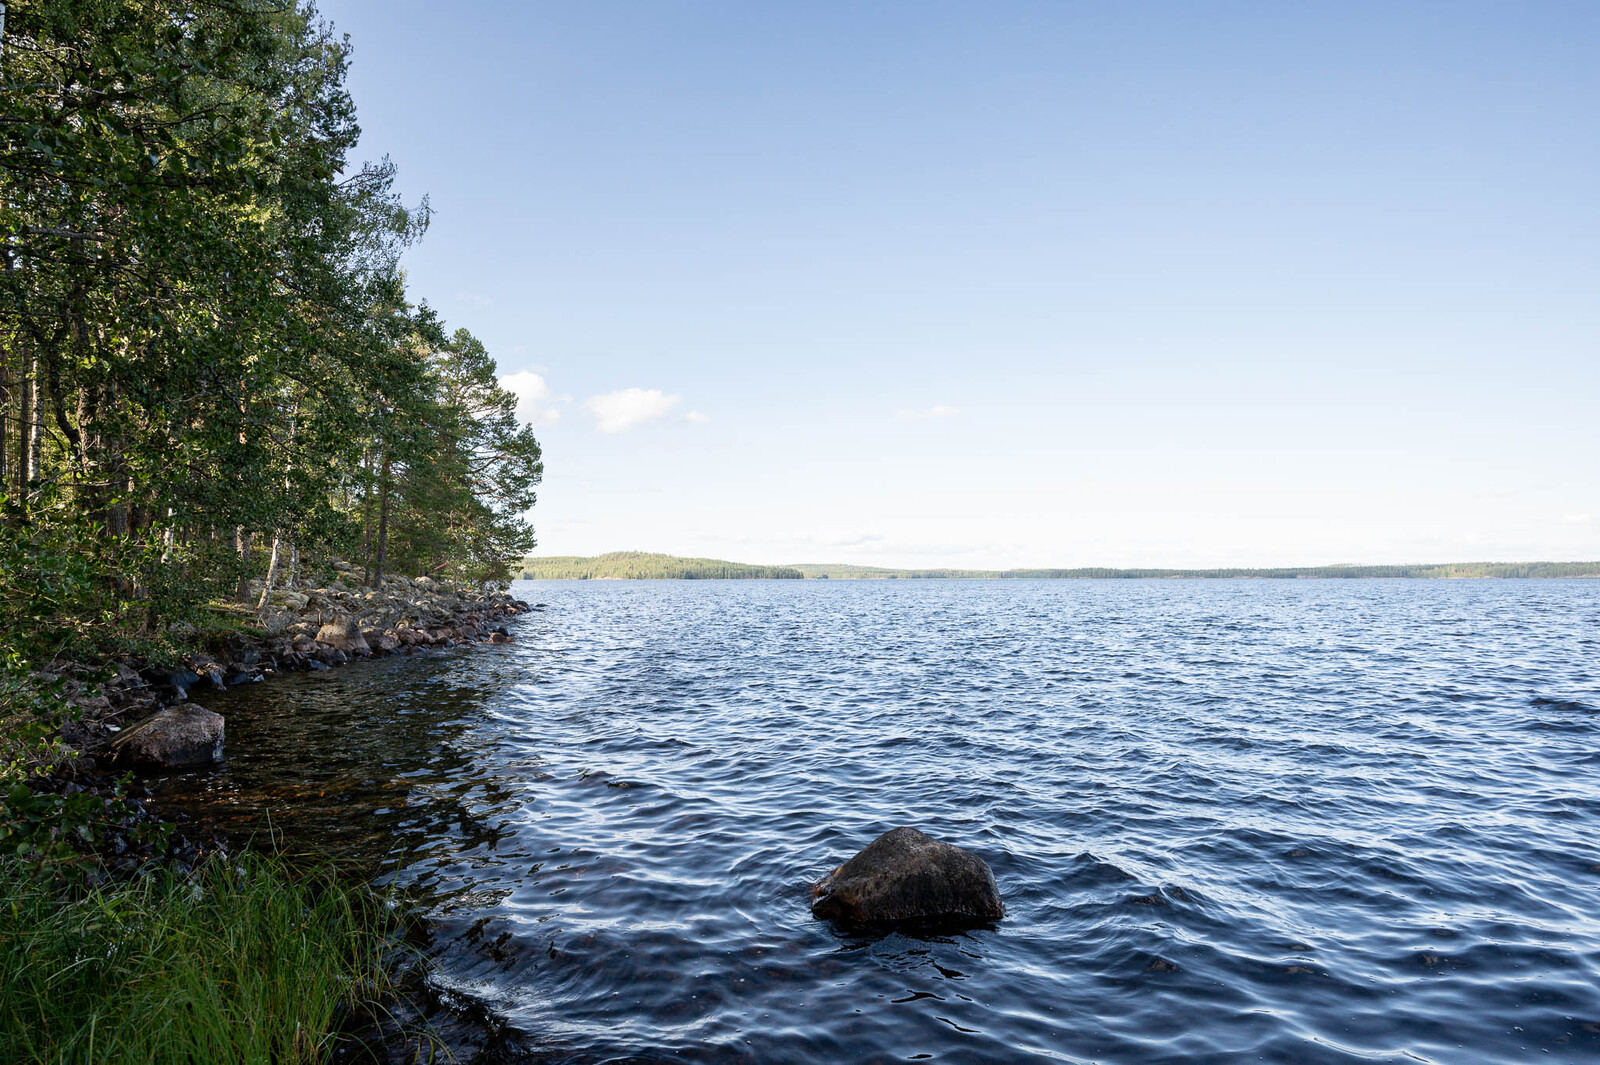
x=639 y=565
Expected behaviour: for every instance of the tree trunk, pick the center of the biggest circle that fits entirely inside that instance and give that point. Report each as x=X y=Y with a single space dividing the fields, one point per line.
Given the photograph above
x=272 y=570
x=383 y=520
x=28 y=397
x=241 y=543
x=34 y=466
x=366 y=516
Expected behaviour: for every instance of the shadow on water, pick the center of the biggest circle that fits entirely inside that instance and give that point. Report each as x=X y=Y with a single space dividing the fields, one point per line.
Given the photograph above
x=380 y=763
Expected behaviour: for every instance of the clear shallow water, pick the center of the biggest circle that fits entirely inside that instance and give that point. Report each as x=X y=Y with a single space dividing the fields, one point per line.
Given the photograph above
x=1285 y=821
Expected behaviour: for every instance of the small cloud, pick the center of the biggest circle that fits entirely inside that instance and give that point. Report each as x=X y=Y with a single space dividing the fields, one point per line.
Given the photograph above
x=532 y=394
x=932 y=412
x=474 y=299
x=694 y=417
x=1577 y=519
x=864 y=540
x=615 y=412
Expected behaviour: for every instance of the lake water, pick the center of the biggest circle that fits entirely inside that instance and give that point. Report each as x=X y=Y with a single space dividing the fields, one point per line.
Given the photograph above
x=1280 y=821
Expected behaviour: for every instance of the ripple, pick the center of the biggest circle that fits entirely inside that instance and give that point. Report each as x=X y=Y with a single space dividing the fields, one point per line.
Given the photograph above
x=1315 y=821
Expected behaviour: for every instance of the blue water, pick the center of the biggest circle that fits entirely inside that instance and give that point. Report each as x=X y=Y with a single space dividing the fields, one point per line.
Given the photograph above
x=1279 y=821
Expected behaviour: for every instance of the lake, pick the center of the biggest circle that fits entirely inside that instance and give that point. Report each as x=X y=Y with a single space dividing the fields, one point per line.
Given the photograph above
x=1279 y=821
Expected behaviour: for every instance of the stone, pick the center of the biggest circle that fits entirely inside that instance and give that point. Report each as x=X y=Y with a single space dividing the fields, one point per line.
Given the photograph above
x=904 y=875
x=343 y=634
x=183 y=679
x=294 y=601
x=179 y=737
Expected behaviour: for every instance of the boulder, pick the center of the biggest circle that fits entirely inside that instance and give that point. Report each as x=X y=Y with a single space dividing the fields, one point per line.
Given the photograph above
x=179 y=737
x=343 y=634
x=904 y=875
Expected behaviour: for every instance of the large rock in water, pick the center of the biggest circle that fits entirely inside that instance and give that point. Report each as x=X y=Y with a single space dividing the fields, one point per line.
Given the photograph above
x=179 y=737
x=904 y=875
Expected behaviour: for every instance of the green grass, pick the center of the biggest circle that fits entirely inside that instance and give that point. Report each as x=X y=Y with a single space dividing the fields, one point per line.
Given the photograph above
x=243 y=960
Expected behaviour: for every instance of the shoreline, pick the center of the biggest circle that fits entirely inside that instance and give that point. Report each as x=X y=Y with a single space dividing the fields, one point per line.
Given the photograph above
x=305 y=629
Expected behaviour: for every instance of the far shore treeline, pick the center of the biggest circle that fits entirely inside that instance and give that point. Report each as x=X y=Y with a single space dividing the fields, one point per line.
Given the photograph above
x=638 y=565
x=211 y=372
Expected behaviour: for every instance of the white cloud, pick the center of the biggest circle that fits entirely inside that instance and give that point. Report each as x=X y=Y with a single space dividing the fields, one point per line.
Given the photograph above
x=696 y=418
x=475 y=299
x=617 y=411
x=532 y=394
x=940 y=411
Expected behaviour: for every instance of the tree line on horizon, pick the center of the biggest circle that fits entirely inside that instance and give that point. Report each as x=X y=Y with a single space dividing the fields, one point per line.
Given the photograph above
x=211 y=370
x=650 y=566
x=640 y=565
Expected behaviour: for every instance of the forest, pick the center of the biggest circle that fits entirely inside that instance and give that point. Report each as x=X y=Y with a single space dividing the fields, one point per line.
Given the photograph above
x=212 y=375
x=640 y=565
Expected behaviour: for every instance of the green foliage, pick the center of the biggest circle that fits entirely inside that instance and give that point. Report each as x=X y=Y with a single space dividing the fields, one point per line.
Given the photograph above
x=63 y=834
x=244 y=961
x=638 y=565
x=208 y=359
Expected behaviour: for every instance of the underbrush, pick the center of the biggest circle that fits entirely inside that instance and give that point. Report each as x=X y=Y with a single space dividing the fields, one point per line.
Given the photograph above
x=243 y=959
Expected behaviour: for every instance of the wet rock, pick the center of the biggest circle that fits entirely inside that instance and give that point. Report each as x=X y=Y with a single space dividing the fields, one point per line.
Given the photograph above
x=499 y=637
x=183 y=679
x=179 y=737
x=386 y=642
x=904 y=875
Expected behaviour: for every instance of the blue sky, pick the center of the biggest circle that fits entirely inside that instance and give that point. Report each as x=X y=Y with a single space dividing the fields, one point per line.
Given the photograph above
x=1020 y=284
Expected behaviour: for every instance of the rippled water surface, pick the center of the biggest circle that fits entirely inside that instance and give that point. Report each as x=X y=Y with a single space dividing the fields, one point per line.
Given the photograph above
x=1284 y=821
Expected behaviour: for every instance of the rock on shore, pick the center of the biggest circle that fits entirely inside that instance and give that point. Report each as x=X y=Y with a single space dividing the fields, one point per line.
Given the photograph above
x=179 y=737
x=904 y=875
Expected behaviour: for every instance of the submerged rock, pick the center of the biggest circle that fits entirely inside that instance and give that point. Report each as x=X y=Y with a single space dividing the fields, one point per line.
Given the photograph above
x=904 y=875
x=179 y=737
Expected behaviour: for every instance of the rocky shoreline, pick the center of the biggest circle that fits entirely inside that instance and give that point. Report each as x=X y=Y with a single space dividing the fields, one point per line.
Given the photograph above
x=299 y=628
x=302 y=627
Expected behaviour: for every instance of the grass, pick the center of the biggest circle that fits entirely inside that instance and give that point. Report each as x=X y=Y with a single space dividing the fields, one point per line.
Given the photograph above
x=243 y=960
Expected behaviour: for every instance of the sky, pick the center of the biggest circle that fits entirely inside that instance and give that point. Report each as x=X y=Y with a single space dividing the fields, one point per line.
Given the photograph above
x=1019 y=284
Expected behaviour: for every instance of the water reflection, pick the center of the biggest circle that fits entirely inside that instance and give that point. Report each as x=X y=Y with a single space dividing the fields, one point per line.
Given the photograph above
x=386 y=763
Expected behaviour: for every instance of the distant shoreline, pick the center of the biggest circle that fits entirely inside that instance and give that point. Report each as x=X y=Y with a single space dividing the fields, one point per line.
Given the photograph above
x=639 y=565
